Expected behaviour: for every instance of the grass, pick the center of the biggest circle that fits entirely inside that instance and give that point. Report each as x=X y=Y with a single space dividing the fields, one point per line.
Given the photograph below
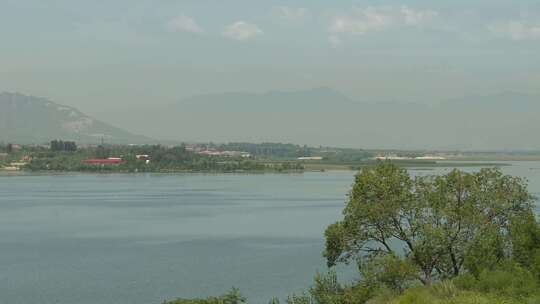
x=447 y=293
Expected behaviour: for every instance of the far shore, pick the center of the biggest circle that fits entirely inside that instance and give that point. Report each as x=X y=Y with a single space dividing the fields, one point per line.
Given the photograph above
x=308 y=167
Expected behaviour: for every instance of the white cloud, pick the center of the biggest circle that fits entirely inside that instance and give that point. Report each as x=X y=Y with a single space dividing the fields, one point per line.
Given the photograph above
x=370 y=19
x=417 y=17
x=184 y=23
x=291 y=13
x=363 y=21
x=517 y=30
x=242 y=30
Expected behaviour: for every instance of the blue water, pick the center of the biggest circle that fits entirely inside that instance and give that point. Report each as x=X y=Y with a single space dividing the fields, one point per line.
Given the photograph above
x=113 y=238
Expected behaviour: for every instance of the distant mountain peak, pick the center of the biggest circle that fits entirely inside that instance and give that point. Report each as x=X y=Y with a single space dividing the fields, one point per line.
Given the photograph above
x=319 y=95
x=29 y=119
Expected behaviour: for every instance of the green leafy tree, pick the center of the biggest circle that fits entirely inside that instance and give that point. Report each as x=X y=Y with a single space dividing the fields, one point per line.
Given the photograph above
x=59 y=145
x=102 y=152
x=326 y=289
x=233 y=297
x=303 y=298
x=274 y=300
x=433 y=224
x=525 y=233
x=389 y=271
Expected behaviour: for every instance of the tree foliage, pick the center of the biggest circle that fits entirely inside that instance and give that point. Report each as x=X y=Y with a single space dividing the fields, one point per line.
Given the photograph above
x=438 y=224
x=160 y=159
x=59 y=145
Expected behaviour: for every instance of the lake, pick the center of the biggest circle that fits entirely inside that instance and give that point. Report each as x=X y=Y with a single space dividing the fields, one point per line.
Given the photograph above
x=144 y=238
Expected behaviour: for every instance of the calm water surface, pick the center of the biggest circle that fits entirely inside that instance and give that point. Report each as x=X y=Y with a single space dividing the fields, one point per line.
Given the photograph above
x=108 y=239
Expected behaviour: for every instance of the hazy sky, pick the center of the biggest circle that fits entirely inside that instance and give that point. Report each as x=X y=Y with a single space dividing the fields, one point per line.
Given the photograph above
x=105 y=53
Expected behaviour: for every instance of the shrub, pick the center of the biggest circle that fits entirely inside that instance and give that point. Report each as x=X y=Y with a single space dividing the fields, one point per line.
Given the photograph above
x=231 y=297
x=514 y=281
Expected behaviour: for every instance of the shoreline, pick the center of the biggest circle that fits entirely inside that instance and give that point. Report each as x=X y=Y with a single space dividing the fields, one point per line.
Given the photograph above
x=308 y=168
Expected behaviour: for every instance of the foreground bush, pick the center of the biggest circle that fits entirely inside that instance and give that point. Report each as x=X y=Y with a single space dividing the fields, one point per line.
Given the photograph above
x=232 y=297
x=498 y=286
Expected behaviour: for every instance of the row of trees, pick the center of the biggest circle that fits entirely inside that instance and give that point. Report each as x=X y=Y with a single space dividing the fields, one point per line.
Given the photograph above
x=161 y=159
x=268 y=150
x=280 y=151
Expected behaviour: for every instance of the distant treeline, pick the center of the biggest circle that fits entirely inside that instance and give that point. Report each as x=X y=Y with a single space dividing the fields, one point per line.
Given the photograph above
x=271 y=150
x=292 y=151
x=62 y=155
x=65 y=156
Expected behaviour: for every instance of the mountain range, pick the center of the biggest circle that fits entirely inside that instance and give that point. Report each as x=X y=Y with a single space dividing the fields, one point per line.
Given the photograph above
x=320 y=116
x=504 y=121
x=28 y=119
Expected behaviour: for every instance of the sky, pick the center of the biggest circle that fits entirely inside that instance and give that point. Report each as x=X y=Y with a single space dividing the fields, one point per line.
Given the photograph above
x=105 y=54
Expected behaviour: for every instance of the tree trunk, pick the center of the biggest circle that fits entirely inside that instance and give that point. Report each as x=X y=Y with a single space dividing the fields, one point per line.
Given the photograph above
x=427 y=277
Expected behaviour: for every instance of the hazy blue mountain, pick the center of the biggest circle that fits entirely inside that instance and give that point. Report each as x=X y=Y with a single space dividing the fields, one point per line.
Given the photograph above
x=506 y=121
x=315 y=116
x=28 y=119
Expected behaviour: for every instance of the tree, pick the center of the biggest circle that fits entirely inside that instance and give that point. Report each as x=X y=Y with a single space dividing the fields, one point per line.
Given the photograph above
x=102 y=152
x=434 y=223
x=327 y=290
x=274 y=300
x=525 y=234
x=233 y=297
x=59 y=145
